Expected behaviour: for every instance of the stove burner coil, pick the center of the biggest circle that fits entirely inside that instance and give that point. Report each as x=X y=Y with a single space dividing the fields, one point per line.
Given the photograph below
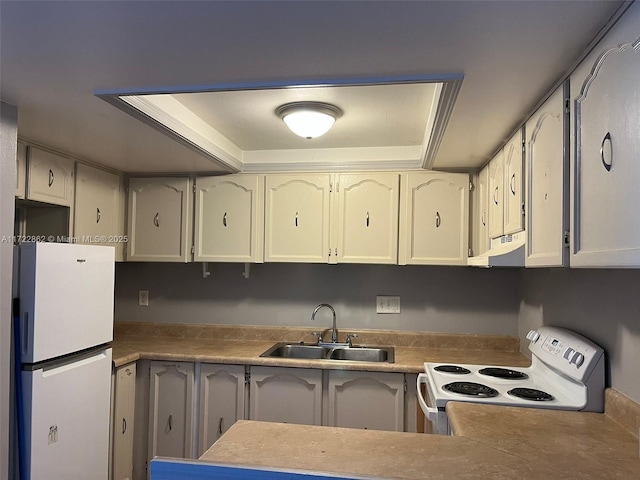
x=471 y=389
x=452 y=369
x=531 y=394
x=505 y=373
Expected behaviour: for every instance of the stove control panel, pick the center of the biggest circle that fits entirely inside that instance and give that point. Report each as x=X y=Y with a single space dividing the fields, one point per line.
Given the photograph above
x=565 y=350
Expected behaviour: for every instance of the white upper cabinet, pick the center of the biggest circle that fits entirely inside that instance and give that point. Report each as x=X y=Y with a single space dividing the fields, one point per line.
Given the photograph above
x=547 y=182
x=605 y=121
x=367 y=218
x=21 y=170
x=99 y=208
x=434 y=218
x=160 y=219
x=482 y=219
x=513 y=185
x=229 y=218
x=50 y=178
x=496 y=195
x=297 y=216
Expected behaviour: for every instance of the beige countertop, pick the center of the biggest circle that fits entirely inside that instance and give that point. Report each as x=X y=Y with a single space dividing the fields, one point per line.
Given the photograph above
x=576 y=444
x=491 y=442
x=243 y=345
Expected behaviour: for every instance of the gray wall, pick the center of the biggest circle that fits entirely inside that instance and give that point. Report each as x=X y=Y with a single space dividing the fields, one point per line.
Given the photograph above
x=438 y=299
x=8 y=146
x=603 y=305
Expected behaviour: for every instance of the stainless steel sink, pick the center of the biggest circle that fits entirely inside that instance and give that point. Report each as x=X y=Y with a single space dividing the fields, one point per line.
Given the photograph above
x=306 y=351
x=364 y=354
x=297 y=350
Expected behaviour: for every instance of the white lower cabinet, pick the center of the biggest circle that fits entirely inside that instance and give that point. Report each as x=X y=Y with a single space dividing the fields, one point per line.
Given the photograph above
x=171 y=409
x=368 y=400
x=289 y=395
x=222 y=401
x=122 y=422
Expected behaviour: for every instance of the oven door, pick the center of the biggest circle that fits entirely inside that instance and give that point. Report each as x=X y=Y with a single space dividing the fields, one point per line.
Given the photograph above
x=436 y=419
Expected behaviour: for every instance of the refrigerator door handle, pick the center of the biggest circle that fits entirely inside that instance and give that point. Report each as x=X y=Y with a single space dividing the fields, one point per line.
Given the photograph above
x=25 y=333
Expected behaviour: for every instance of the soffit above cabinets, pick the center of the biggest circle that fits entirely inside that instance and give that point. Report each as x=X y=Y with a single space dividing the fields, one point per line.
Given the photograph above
x=385 y=123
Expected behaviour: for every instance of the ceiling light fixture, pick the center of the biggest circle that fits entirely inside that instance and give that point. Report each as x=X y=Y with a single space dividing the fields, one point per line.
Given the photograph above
x=309 y=119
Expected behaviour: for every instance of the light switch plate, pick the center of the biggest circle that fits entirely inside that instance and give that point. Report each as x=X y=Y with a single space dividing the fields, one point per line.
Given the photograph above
x=387 y=304
x=143 y=298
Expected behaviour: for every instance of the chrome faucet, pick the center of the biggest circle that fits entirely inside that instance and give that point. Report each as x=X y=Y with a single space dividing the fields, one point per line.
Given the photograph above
x=334 y=333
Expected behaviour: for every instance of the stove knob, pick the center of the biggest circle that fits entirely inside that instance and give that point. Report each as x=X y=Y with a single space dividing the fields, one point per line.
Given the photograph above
x=533 y=336
x=567 y=354
x=577 y=359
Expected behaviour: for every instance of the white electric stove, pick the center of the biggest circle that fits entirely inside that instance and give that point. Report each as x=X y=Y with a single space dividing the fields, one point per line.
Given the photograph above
x=566 y=373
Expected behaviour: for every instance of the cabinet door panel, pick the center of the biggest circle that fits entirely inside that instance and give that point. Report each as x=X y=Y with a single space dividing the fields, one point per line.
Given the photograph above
x=221 y=401
x=496 y=195
x=547 y=184
x=21 y=170
x=368 y=218
x=50 y=178
x=159 y=222
x=289 y=395
x=98 y=212
x=123 y=426
x=513 y=185
x=297 y=218
x=482 y=222
x=171 y=410
x=381 y=393
x=229 y=216
x=606 y=166
x=435 y=218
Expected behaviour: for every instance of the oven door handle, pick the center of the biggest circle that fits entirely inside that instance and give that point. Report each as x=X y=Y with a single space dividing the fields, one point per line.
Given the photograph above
x=430 y=412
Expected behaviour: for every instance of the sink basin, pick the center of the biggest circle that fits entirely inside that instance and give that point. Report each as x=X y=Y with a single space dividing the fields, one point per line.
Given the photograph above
x=308 y=351
x=363 y=354
x=297 y=350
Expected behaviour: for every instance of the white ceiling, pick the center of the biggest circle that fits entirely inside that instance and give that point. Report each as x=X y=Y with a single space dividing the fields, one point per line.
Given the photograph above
x=55 y=55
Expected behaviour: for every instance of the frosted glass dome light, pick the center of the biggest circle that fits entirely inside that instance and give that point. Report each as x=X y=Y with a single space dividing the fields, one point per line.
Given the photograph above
x=309 y=119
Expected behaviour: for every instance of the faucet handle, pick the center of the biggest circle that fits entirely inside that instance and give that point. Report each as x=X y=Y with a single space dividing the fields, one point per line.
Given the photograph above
x=317 y=334
x=351 y=336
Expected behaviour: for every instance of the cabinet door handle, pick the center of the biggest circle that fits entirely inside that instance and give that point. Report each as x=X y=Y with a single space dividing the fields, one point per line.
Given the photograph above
x=224 y=219
x=367 y=219
x=51 y=177
x=438 y=220
x=221 y=426
x=495 y=196
x=156 y=219
x=608 y=165
x=170 y=422
x=482 y=219
x=124 y=425
x=97 y=215
x=296 y=219
x=512 y=184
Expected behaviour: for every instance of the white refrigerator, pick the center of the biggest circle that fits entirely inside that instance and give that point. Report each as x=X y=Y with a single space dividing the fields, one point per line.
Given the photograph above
x=66 y=325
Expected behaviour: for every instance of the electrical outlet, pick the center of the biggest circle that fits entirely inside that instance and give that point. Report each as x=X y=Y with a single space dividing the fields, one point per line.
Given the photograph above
x=387 y=304
x=143 y=298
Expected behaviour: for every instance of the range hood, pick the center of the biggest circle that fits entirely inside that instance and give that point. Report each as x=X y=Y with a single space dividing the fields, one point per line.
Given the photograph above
x=505 y=251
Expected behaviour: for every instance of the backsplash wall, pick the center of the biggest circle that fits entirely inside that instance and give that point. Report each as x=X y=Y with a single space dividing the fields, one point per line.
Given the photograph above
x=435 y=299
x=603 y=305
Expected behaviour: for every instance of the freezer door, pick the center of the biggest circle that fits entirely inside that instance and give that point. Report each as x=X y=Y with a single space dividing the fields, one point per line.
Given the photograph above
x=67 y=410
x=66 y=299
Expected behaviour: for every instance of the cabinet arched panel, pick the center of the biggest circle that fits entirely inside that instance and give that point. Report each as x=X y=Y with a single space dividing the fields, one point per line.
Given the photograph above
x=289 y=395
x=221 y=401
x=297 y=218
x=606 y=165
x=382 y=393
x=368 y=218
x=547 y=177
